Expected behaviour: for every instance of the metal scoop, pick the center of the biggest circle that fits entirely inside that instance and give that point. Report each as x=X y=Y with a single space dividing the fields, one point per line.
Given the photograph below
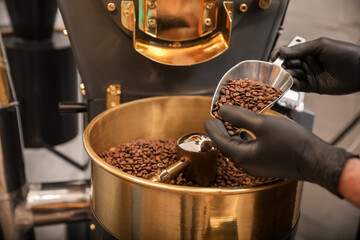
x=269 y=73
x=196 y=156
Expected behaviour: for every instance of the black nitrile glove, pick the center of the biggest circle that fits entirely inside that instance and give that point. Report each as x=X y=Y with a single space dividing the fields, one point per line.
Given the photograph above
x=323 y=66
x=282 y=148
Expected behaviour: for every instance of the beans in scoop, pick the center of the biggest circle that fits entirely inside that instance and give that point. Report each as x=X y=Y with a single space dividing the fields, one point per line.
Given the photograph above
x=246 y=93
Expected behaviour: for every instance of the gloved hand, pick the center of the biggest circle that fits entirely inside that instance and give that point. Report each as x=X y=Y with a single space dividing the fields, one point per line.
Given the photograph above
x=323 y=66
x=282 y=148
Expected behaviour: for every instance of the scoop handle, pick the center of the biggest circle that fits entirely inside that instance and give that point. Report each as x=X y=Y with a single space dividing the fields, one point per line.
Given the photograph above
x=297 y=40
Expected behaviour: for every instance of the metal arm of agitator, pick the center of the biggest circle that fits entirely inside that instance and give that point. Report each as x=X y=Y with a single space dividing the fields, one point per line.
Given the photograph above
x=165 y=175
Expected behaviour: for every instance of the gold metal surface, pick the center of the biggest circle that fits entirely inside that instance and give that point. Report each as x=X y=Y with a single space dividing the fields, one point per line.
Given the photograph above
x=5 y=93
x=182 y=20
x=243 y=7
x=264 y=4
x=113 y=94
x=134 y=208
x=165 y=175
x=82 y=88
x=182 y=25
x=203 y=164
x=111 y=7
x=128 y=15
x=183 y=55
x=92 y=227
x=65 y=32
x=209 y=16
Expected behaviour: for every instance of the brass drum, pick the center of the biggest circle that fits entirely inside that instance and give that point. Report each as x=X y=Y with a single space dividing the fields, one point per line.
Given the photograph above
x=134 y=208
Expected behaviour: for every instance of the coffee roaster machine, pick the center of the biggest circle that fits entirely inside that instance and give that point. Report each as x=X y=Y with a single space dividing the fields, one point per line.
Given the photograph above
x=157 y=57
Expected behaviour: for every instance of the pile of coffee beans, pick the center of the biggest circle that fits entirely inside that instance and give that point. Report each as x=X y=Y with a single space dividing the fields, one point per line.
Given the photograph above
x=246 y=93
x=140 y=158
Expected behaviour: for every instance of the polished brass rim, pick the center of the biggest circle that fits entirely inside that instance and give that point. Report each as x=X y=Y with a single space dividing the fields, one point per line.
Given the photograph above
x=161 y=186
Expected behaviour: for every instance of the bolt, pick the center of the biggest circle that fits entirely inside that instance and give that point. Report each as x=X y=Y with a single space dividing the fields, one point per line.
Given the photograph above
x=111 y=7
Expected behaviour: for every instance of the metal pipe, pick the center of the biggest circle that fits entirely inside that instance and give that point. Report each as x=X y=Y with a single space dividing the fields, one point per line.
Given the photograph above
x=12 y=174
x=51 y=203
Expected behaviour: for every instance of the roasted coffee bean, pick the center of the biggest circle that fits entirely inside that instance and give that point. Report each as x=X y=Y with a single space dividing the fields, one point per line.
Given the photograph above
x=124 y=157
x=246 y=93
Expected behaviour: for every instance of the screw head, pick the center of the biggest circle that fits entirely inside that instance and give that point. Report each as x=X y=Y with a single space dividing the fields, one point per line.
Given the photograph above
x=111 y=7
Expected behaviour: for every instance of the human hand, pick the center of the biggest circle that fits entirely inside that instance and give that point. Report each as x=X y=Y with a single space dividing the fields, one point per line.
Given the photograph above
x=282 y=148
x=323 y=66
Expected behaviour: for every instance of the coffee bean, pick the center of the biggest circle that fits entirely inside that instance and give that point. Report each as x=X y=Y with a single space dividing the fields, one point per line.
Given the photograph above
x=246 y=93
x=127 y=160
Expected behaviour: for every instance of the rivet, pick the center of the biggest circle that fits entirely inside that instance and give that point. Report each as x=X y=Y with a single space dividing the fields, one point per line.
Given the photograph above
x=207 y=22
x=243 y=7
x=111 y=7
x=264 y=4
x=151 y=4
x=92 y=227
x=209 y=5
x=126 y=13
x=152 y=22
x=65 y=32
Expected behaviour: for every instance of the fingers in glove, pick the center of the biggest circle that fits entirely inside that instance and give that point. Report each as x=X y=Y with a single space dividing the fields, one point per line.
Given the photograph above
x=312 y=69
x=293 y=64
x=310 y=48
x=221 y=139
x=242 y=118
x=300 y=78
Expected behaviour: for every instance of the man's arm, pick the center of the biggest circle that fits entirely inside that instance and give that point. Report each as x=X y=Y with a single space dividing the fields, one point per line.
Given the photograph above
x=349 y=184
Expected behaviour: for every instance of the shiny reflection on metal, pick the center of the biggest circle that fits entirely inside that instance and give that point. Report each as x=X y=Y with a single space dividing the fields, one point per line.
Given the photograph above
x=134 y=208
x=203 y=162
x=265 y=72
x=182 y=20
x=82 y=88
x=165 y=175
x=196 y=157
x=113 y=95
x=209 y=16
x=148 y=17
x=243 y=7
x=128 y=15
x=5 y=92
x=264 y=4
x=158 y=25
x=54 y=203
